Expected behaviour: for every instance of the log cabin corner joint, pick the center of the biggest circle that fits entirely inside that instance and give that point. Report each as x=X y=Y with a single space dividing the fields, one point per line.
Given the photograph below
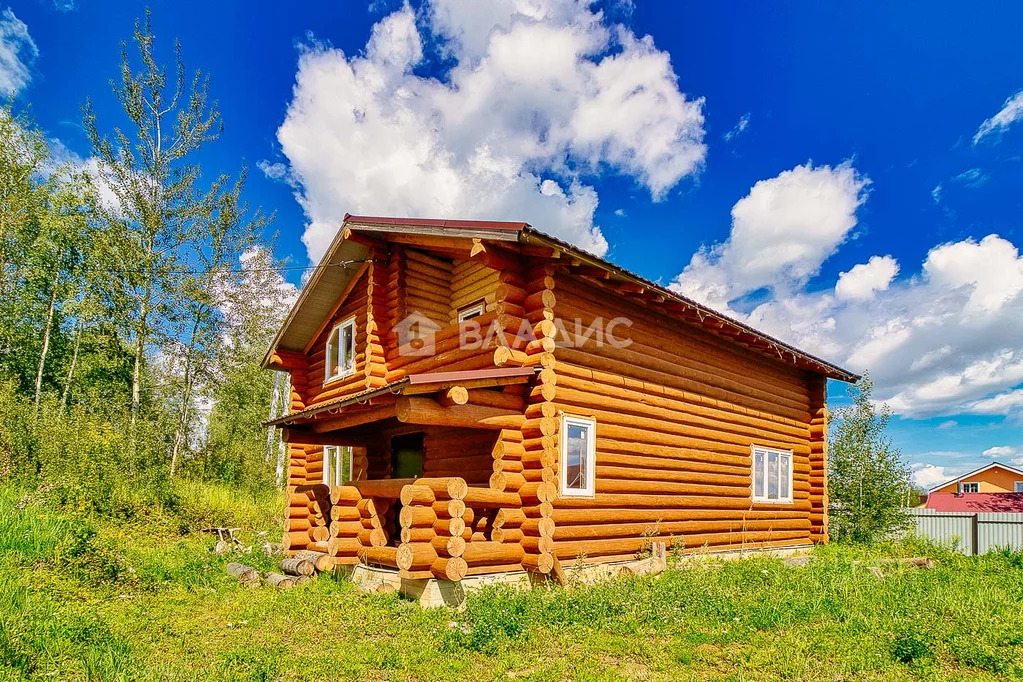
x=496 y=432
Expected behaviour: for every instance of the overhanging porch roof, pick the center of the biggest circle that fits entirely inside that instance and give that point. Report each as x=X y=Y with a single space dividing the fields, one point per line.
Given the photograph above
x=430 y=382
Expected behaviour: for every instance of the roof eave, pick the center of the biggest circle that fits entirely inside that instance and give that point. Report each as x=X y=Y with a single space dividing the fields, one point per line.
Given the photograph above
x=530 y=234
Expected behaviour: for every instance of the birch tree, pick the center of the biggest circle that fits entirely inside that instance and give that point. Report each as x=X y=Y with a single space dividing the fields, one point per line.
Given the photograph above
x=158 y=204
x=867 y=479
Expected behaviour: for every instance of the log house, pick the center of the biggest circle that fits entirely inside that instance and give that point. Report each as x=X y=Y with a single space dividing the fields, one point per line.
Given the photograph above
x=472 y=397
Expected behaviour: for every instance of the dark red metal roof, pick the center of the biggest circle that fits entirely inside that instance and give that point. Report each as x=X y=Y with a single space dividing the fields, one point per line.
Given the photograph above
x=433 y=222
x=976 y=502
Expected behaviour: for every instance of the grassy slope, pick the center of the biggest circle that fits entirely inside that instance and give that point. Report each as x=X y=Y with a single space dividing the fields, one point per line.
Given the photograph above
x=124 y=604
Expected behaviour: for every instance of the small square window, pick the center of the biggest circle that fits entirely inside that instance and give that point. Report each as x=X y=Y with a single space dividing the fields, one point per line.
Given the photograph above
x=1017 y=487
x=578 y=455
x=340 y=355
x=337 y=464
x=471 y=311
x=772 y=475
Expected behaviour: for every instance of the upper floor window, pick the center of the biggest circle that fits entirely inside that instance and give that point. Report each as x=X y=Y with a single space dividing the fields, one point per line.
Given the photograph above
x=969 y=487
x=1017 y=487
x=578 y=455
x=340 y=358
x=337 y=464
x=772 y=475
x=470 y=311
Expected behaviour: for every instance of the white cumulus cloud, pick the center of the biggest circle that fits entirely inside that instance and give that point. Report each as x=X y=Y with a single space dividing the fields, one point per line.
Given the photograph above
x=865 y=279
x=1002 y=451
x=1010 y=112
x=539 y=96
x=945 y=340
x=927 y=476
x=782 y=231
x=17 y=52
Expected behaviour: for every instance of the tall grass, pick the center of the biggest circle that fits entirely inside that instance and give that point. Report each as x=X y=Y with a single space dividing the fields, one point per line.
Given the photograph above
x=87 y=598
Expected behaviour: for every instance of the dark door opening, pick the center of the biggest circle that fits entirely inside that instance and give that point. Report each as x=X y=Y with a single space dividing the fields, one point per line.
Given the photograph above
x=407 y=456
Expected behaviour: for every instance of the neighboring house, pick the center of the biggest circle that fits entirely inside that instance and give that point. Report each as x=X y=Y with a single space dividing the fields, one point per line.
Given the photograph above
x=992 y=488
x=478 y=397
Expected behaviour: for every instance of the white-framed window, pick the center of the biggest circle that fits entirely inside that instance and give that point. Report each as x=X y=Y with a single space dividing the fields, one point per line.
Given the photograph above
x=578 y=455
x=337 y=464
x=470 y=311
x=1017 y=487
x=340 y=357
x=969 y=487
x=772 y=475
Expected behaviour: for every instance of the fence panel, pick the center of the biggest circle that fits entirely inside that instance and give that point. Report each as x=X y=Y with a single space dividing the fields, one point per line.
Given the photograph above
x=972 y=533
x=946 y=528
x=999 y=529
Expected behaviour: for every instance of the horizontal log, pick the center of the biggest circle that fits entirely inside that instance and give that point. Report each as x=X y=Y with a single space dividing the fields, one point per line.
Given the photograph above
x=486 y=497
x=453 y=569
x=415 y=556
x=321 y=562
x=413 y=410
x=686 y=528
x=491 y=553
x=572 y=549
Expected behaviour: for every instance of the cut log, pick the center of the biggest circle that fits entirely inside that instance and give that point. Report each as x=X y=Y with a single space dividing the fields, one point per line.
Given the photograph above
x=246 y=575
x=296 y=566
x=281 y=582
x=322 y=562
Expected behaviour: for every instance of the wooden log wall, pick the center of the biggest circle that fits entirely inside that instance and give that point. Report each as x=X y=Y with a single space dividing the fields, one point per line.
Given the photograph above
x=437 y=287
x=428 y=285
x=377 y=320
x=818 y=458
x=537 y=450
x=465 y=453
x=316 y=391
x=307 y=519
x=676 y=414
x=472 y=281
x=305 y=464
x=450 y=530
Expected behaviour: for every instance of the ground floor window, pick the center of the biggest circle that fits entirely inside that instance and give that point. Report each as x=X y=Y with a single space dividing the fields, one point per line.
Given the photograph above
x=337 y=464
x=772 y=475
x=578 y=455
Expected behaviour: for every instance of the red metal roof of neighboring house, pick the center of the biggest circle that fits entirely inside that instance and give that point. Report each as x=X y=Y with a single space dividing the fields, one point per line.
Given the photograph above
x=976 y=502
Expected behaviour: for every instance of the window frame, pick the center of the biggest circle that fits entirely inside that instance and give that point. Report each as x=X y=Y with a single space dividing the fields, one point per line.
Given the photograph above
x=962 y=487
x=589 y=423
x=765 y=498
x=479 y=307
x=348 y=323
x=331 y=455
x=1017 y=486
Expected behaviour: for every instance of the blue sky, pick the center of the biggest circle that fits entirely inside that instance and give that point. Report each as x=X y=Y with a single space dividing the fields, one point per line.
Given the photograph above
x=845 y=177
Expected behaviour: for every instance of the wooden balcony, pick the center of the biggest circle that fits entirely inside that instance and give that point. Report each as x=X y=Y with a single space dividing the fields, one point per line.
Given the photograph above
x=423 y=528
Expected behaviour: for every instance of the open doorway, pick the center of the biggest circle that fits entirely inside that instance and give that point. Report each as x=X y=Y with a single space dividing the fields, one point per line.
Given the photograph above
x=407 y=456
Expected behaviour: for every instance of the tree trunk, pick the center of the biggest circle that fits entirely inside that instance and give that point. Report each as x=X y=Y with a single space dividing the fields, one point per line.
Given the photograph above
x=136 y=372
x=71 y=367
x=46 y=339
x=282 y=447
x=186 y=400
x=274 y=397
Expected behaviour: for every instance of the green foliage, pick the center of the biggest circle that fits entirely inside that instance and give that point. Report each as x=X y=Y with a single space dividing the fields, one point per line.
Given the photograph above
x=172 y=613
x=868 y=483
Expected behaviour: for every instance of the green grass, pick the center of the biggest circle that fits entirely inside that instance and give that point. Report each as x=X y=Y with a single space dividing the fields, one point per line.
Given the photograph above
x=89 y=599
